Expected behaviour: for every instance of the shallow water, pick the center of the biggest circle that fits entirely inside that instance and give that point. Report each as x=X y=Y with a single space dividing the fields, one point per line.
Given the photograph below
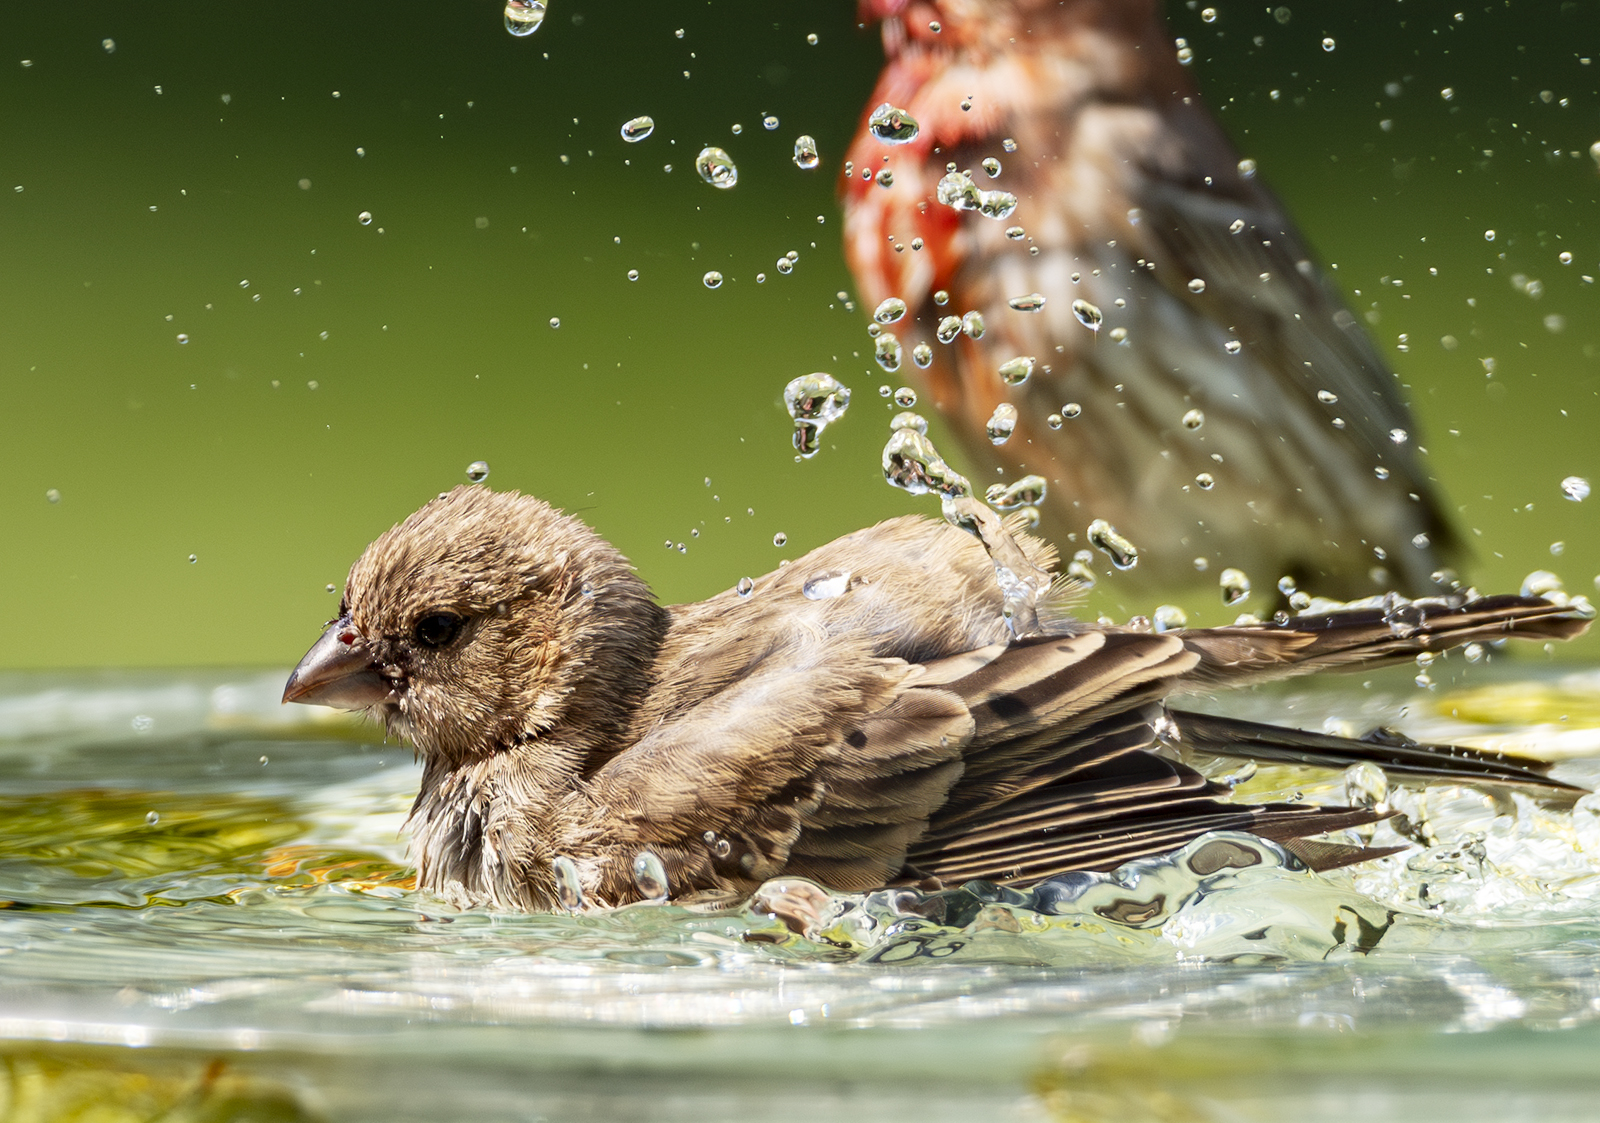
x=220 y=883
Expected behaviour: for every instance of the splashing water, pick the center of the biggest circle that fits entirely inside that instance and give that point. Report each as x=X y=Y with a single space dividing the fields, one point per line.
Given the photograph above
x=1002 y=423
x=805 y=153
x=637 y=129
x=1029 y=491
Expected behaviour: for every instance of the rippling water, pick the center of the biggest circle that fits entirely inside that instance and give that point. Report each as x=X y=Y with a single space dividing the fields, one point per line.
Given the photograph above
x=193 y=870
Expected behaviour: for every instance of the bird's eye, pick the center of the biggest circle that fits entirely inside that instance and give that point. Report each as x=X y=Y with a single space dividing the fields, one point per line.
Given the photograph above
x=437 y=630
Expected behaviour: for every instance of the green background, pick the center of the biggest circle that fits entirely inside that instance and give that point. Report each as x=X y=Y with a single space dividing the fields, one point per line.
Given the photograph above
x=140 y=214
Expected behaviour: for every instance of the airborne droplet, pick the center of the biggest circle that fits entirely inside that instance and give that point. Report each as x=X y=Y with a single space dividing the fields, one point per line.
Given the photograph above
x=805 y=153
x=1575 y=488
x=712 y=279
x=1031 y=302
x=905 y=398
x=745 y=587
x=991 y=166
x=891 y=125
x=922 y=355
x=1235 y=586
x=716 y=168
x=948 y=329
x=477 y=471
x=523 y=17
x=890 y=310
x=1029 y=491
x=1104 y=537
x=972 y=324
x=1194 y=419
x=1088 y=315
x=637 y=129
x=887 y=352
x=1014 y=372
x=1198 y=285
x=1002 y=423
x=814 y=401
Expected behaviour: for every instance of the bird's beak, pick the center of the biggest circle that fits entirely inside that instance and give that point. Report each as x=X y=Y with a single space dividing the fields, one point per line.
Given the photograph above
x=338 y=671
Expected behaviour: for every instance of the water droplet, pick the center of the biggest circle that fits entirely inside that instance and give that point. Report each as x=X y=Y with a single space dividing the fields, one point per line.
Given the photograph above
x=885 y=177
x=911 y=462
x=922 y=355
x=477 y=471
x=1564 y=257
x=650 y=876
x=972 y=324
x=812 y=39
x=1205 y=481
x=1281 y=14
x=1420 y=541
x=1327 y=397
x=193 y=558
x=770 y=123
x=1029 y=491
x=1488 y=235
x=1016 y=233
x=805 y=153
x=1088 y=315
x=1014 y=372
x=1247 y=168
x=1575 y=488
x=1287 y=585
x=1236 y=226
x=745 y=587
x=1398 y=436
x=1233 y=346
x=1540 y=583
x=633 y=274
x=152 y=817
x=555 y=322
x=523 y=17
x=827 y=585
x=1194 y=419
x=941 y=298
x=814 y=401
x=51 y=495
x=886 y=350
x=905 y=419
x=1208 y=15
x=992 y=166
x=1002 y=423
x=1030 y=302
x=905 y=397
x=1235 y=586
x=891 y=125
x=108 y=45
x=780 y=539
x=1071 y=410
x=1185 y=55
x=712 y=279
x=949 y=327
x=1328 y=43
x=1104 y=537
x=890 y=310
x=569 y=890
x=364 y=218
x=716 y=168
x=1054 y=420
x=1168 y=617
x=637 y=129
x=1299 y=600
x=1197 y=285
x=182 y=337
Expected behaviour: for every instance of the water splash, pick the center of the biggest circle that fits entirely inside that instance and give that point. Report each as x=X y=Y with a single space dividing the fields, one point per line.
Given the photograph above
x=891 y=125
x=716 y=167
x=814 y=402
x=523 y=17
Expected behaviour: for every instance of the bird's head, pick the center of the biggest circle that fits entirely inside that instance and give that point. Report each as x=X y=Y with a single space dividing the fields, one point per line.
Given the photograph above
x=482 y=621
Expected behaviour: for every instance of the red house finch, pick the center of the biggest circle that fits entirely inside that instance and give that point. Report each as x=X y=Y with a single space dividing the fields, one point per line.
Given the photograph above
x=1189 y=374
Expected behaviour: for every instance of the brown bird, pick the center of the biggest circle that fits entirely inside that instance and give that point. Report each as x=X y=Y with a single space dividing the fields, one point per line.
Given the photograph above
x=859 y=717
x=1225 y=403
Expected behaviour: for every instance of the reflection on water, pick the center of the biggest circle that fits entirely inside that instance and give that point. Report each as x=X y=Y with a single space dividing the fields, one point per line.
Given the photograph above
x=187 y=865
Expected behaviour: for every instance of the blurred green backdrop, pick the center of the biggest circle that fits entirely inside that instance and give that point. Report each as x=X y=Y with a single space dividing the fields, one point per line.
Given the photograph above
x=185 y=170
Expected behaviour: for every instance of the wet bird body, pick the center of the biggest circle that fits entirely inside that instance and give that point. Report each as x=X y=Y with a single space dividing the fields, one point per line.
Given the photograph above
x=861 y=716
x=1131 y=198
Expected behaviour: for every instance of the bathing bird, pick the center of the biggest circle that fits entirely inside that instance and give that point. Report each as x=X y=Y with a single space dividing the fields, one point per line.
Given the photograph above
x=866 y=715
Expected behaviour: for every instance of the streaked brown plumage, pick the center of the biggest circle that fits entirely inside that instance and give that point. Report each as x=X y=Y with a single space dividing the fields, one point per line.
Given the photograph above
x=893 y=730
x=1128 y=190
